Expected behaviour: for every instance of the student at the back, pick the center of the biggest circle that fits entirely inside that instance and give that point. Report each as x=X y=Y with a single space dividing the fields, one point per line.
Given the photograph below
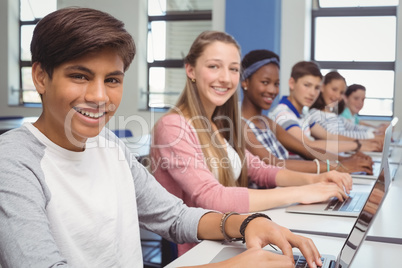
x=304 y=87
x=329 y=104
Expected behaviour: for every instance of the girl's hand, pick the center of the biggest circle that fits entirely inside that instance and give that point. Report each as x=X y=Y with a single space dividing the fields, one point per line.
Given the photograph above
x=342 y=180
x=320 y=192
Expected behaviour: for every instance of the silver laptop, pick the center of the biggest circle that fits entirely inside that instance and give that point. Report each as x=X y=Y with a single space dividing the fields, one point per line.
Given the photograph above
x=384 y=155
x=355 y=238
x=350 y=207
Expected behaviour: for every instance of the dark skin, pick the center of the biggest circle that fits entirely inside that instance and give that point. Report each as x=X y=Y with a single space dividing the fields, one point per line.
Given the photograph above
x=262 y=88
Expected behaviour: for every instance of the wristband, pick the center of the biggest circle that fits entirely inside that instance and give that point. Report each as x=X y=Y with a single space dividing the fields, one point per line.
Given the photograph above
x=318 y=165
x=359 y=145
x=328 y=165
x=247 y=221
x=222 y=227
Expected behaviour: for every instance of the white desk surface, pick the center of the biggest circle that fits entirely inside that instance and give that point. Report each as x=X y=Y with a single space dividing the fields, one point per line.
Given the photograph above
x=386 y=228
x=388 y=221
x=370 y=255
x=386 y=225
x=394 y=158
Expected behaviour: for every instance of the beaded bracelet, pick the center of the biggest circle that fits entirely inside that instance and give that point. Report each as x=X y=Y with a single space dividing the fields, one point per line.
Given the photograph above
x=222 y=226
x=247 y=221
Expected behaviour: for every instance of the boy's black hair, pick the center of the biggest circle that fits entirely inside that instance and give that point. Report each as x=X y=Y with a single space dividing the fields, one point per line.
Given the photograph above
x=73 y=32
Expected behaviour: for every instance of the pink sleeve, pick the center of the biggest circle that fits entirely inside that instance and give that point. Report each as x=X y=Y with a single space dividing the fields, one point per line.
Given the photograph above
x=177 y=159
x=261 y=173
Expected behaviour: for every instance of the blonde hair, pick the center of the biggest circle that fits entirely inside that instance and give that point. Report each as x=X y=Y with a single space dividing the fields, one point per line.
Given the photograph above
x=190 y=105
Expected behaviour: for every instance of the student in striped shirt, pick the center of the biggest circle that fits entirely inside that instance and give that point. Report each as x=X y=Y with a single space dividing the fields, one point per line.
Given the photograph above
x=329 y=104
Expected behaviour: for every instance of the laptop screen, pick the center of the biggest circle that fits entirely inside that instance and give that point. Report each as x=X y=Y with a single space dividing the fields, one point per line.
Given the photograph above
x=365 y=218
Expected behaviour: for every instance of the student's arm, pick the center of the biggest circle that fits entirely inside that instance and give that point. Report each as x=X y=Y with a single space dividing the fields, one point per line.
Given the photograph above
x=347 y=164
x=258 y=233
x=309 y=188
x=203 y=188
x=177 y=159
x=25 y=235
x=327 y=145
x=319 y=132
x=264 y=199
x=295 y=145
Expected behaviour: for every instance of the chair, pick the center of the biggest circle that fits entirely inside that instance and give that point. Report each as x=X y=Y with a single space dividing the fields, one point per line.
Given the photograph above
x=10 y=122
x=123 y=133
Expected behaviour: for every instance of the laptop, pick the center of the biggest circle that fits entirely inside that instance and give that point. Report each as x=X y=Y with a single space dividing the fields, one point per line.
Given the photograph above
x=397 y=139
x=385 y=154
x=350 y=207
x=355 y=238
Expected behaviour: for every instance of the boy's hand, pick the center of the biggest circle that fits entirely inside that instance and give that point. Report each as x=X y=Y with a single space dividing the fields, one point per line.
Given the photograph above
x=261 y=232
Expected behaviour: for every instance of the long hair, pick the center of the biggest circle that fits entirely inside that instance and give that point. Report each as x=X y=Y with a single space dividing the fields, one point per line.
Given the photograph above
x=225 y=117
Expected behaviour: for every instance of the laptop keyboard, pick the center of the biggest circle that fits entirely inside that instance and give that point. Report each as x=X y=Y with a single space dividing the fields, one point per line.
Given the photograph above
x=354 y=203
x=301 y=262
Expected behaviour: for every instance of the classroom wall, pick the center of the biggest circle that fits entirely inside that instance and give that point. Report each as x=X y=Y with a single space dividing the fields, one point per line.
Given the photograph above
x=278 y=25
x=398 y=71
x=9 y=69
x=255 y=25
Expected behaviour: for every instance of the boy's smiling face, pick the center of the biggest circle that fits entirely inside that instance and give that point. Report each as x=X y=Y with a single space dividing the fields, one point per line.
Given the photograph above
x=80 y=98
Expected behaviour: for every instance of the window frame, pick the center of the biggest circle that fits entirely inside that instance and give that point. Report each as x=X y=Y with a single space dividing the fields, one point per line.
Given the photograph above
x=353 y=65
x=170 y=16
x=24 y=63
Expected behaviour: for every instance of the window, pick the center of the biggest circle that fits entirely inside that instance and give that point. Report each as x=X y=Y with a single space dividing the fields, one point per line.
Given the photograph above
x=172 y=27
x=31 y=11
x=358 y=39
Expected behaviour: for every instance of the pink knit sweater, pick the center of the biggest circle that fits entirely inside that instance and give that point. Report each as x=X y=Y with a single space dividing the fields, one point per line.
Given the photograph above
x=177 y=162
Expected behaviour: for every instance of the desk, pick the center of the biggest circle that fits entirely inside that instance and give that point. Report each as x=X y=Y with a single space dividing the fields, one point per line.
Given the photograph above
x=315 y=223
x=370 y=255
x=386 y=226
x=394 y=158
x=333 y=231
x=388 y=221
